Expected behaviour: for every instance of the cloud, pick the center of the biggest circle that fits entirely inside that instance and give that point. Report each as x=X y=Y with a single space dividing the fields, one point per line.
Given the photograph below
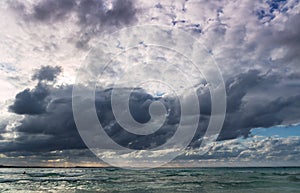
x=254 y=99
x=93 y=13
x=255 y=44
x=53 y=126
x=92 y=16
x=95 y=17
x=47 y=73
x=249 y=105
x=89 y=12
x=52 y=10
x=49 y=117
x=51 y=129
x=33 y=102
x=254 y=149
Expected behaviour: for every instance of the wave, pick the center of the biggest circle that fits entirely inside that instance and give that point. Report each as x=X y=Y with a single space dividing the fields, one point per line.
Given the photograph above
x=293 y=178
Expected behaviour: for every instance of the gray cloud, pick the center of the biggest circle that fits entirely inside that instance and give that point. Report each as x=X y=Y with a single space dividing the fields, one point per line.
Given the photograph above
x=287 y=39
x=53 y=126
x=92 y=16
x=252 y=101
x=249 y=105
x=52 y=10
x=89 y=12
x=262 y=149
x=94 y=12
x=35 y=101
x=47 y=73
x=31 y=102
x=52 y=129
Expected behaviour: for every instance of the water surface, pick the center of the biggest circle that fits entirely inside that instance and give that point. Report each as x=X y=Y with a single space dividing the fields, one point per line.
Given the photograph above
x=252 y=180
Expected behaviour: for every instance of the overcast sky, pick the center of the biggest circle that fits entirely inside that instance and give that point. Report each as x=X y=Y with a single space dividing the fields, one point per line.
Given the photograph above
x=256 y=45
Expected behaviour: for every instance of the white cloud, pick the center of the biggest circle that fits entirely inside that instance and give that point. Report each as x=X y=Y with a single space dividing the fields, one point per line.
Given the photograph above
x=254 y=149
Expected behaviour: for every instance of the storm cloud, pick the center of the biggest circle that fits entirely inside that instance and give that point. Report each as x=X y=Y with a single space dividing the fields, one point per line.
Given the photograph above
x=31 y=101
x=49 y=118
x=34 y=101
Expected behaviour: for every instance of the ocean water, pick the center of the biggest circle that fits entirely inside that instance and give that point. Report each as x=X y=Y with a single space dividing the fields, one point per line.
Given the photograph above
x=84 y=180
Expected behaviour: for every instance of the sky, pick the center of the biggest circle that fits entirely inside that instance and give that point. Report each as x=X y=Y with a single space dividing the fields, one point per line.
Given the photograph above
x=50 y=47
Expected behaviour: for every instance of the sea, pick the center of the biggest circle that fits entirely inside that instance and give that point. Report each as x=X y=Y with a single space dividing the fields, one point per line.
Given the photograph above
x=164 y=180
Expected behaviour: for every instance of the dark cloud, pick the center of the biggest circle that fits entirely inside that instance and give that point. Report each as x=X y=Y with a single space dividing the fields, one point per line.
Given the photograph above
x=34 y=101
x=238 y=87
x=47 y=73
x=92 y=16
x=49 y=122
x=139 y=109
x=289 y=39
x=94 y=12
x=53 y=129
x=2 y=130
x=53 y=10
x=262 y=109
x=89 y=12
x=252 y=101
x=31 y=102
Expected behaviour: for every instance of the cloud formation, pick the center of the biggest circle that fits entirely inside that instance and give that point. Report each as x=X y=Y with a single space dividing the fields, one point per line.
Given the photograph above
x=256 y=45
x=92 y=16
x=34 y=101
x=47 y=73
x=55 y=103
x=31 y=101
x=254 y=149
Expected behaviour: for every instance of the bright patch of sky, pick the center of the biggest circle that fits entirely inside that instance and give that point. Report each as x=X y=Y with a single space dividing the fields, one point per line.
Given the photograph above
x=280 y=131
